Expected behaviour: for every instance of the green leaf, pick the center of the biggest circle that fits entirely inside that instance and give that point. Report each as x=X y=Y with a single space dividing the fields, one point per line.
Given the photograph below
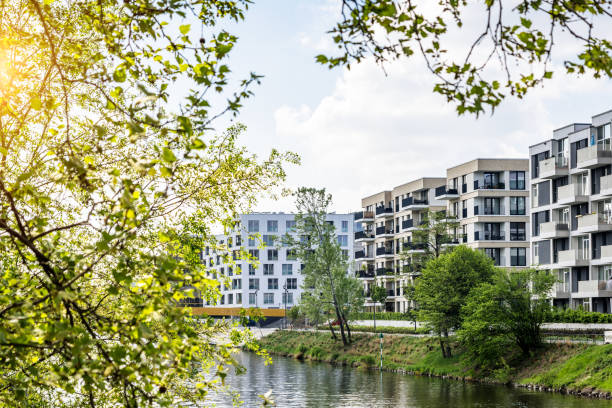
x=184 y=29
x=168 y=155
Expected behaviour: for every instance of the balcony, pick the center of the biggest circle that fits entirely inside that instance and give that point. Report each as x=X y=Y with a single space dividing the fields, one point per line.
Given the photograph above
x=481 y=185
x=382 y=211
x=489 y=210
x=572 y=194
x=363 y=256
x=597 y=222
x=572 y=257
x=364 y=216
x=605 y=185
x=384 y=232
x=488 y=236
x=605 y=255
x=561 y=290
x=554 y=229
x=414 y=246
x=554 y=167
x=384 y=252
x=446 y=193
x=407 y=224
x=384 y=271
x=594 y=156
x=594 y=288
x=364 y=236
x=367 y=274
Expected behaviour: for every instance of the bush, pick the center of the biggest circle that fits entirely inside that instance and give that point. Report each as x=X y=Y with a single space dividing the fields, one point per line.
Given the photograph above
x=316 y=352
x=368 y=360
x=578 y=316
x=381 y=316
x=302 y=349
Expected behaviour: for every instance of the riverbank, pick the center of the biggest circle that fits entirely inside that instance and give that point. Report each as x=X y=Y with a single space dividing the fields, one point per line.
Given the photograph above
x=579 y=369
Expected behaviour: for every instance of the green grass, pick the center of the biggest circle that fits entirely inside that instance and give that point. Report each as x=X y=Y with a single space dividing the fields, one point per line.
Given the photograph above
x=570 y=366
x=382 y=329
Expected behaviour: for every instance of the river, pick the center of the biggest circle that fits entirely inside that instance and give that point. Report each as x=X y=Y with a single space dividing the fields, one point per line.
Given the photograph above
x=310 y=384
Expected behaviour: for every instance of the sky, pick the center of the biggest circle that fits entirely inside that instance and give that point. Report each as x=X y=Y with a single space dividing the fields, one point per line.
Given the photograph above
x=361 y=131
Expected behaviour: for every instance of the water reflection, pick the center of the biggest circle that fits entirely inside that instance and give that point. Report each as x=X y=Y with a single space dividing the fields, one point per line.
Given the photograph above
x=306 y=384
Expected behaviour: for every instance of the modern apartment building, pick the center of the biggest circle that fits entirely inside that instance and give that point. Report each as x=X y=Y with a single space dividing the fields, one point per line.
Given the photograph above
x=571 y=212
x=275 y=281
x=384 y=230
x=490 y=199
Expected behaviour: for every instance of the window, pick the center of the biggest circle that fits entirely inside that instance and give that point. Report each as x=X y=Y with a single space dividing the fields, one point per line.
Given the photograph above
x=238 y=298
x=272 y=254
x=230 y=271
x=517 y=205
x=517 y=180
x=252 y=298
x=252 y=241
x=344 y=226
x=272 y=226
x=268 y=269
x=292 y=283
x=495 y=254
x=236 y=284
x=268 y=298
x=251 y=269
x=287 y=269
x=254 y=253
x=603 y=136
x=222 y=300
x=605 y=273
x=330 y=222
x=518 y=257
x=291 y=255
x=345 y=253
x=289 y=225
x=254 y=283
x=269 y=240
x=230 y=299
x=238 y=240
x=273 y=283
x=287 y=298
x=253 y=226
x=343 y=240
x=517 y=231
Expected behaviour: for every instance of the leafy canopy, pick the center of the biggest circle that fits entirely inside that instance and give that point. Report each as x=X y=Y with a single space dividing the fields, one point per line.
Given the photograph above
x=509 y=47
x=110 y=182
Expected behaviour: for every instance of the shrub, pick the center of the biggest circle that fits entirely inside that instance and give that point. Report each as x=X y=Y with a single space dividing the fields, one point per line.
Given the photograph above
x=578 y=316
x=316 y=352
x=302 y=349
x=368 y=360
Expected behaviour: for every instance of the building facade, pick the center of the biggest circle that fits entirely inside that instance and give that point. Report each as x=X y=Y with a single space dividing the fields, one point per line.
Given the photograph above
x=384 y=231
x=571 y=212
x=490 y=199
x=274 y=281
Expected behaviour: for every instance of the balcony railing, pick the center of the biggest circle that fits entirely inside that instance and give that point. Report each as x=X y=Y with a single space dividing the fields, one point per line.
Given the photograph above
x=593 y=153
x=383 y=230
x=488 y=211
x=366 y=274
x=488 y=186
x=562 y=287
x=442 y=190
x=384 y=210
x=572 y=256
x=360 y=254
x=414 y=246
x=553 y=227
x=361 y=215
x=594 y=220
x=489 y=236
x=384 y=271
x=364 y=235
x=407 y=223
x=384 y=251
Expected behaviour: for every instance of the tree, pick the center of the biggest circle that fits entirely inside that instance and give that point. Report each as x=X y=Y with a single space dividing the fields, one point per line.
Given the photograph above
x=444 y=285
x=326 y=278
x=109 y=188
x=506 y=313
x=378 y=295
x=511 y=51
x=436 y=230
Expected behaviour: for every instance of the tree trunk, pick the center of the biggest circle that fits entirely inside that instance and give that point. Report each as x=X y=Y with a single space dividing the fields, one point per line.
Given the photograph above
x=448 y=349
x=442 y=346
x=374 y=317
x=336 y=307
x=331 y=328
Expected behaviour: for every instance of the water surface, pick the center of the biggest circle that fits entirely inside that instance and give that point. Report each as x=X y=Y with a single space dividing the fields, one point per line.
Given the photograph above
x=310 y=384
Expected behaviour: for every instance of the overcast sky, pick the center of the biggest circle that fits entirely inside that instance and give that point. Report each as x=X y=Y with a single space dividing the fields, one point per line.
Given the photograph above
x=359 y=132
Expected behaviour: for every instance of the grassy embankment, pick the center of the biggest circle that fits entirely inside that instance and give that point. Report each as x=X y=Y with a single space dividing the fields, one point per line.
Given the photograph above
x=570 y=368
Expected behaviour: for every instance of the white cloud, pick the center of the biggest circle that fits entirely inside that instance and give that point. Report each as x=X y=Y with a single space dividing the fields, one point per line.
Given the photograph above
x=373 y=132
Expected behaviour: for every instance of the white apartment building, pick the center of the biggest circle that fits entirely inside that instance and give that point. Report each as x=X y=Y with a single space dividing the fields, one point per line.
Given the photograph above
x=275 y=281
x=490 y=199
x=384 y=229
x=571 y=214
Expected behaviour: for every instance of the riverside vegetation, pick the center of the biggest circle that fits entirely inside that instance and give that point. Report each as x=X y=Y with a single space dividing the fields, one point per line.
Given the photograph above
x=564 y=367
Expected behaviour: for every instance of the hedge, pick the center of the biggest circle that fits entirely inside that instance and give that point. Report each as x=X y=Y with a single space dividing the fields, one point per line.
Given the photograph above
x=578 y=316
x=381 y=316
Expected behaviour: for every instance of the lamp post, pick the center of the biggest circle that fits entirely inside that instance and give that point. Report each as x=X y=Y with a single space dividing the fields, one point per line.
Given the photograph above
x=285 y=299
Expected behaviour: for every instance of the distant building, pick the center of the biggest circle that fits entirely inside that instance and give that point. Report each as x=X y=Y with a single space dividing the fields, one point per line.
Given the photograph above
x=276 y=281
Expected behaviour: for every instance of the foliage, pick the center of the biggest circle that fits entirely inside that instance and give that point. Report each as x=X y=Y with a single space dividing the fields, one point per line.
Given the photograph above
x=510 y=51
x=505 y=313
x=385 y=329
x=109 y=187
x=578 y=316
x=444 y=285
x=380 y=316
x=435 y=231
x=378 y=294
x=329 y=290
